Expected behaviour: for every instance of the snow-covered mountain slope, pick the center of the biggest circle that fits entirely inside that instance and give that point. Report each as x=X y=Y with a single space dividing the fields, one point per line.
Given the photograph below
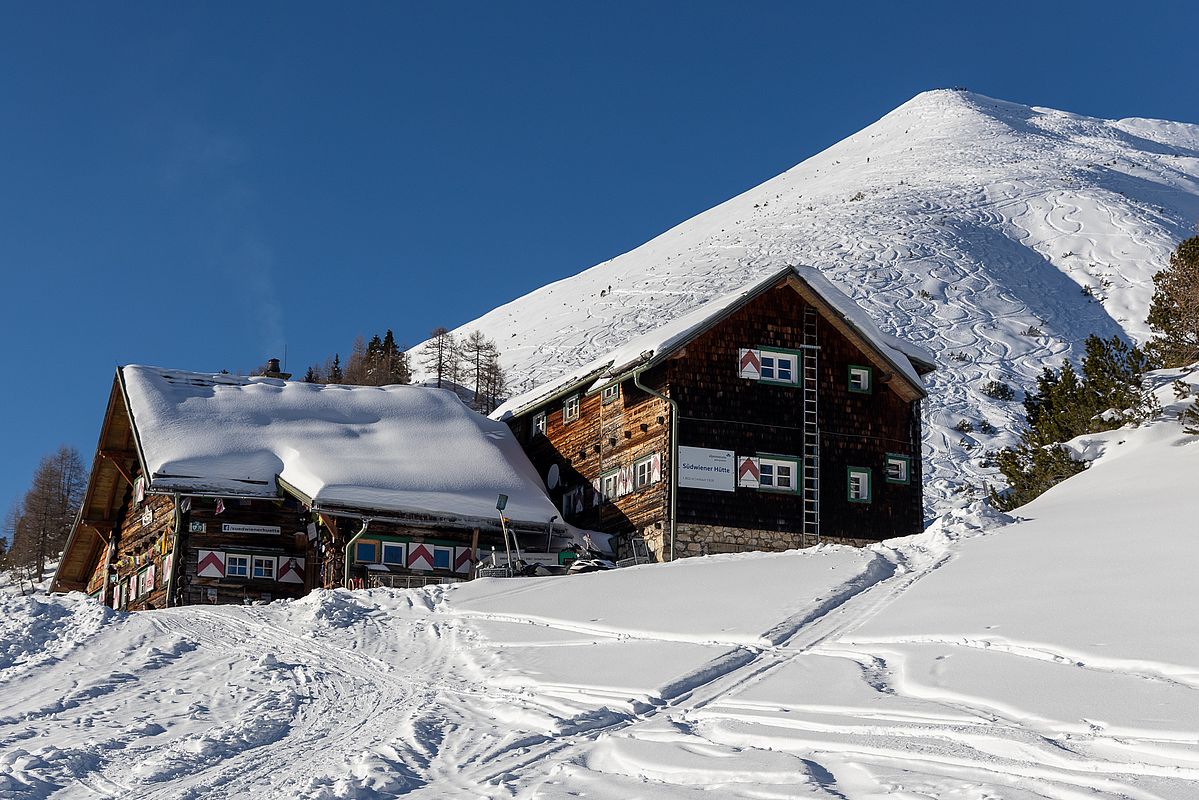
x=1045 y=656
x=969 y=225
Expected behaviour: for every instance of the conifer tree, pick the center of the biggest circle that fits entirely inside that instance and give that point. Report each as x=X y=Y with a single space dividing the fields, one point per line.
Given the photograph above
x=394 y=361
x=313 y=374
x=334 y=371
x=1174 y=311
x=1064 y=405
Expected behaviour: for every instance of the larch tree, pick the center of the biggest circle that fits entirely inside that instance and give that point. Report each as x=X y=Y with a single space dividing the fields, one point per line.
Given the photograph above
x=356 y=367
x=441 y=356
x=44 y=521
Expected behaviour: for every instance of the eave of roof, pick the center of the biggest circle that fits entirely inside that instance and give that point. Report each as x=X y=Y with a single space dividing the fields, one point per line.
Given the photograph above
x=604 y=370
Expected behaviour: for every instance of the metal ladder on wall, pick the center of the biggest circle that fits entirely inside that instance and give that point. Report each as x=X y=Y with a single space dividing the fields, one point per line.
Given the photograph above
x=810 y=535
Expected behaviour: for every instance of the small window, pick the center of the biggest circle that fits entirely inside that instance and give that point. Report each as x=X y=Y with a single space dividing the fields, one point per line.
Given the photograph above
x=443 y=558
x=237 y=567
x=859 y=485
x=861 y=379
x=776 y=474
x=608 y=484
x=610 y=393
x=366 y=552
x=264 y=567
x=394 y=553
x=643 y=472
x=539 y=424
x=899 y=469
x=570 y=409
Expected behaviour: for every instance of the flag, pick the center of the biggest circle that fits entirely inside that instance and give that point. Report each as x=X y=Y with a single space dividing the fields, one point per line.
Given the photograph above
x=220 y=505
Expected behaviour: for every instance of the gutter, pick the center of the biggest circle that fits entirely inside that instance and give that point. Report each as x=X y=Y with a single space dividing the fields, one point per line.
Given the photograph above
x=674 y=447
x=345 y=558
x=174 y=552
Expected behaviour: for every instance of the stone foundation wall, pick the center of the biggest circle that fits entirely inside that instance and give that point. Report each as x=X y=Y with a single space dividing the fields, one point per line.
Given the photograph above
x=699 y=540
x=702 y=540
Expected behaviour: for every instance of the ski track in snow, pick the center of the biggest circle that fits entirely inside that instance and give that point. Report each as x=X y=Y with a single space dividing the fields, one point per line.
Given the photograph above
x=976 y=223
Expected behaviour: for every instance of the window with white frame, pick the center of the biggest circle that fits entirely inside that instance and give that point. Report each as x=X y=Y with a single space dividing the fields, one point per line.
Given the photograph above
x=899 y=469
x=778 y=474
x=264 y=567
x=395 y=553
x=539 y=423
x=570 y=409
x=237 y=566
x=858 y=489
x=778 y=367
x=610 y=393
x=608 y=484
x=643 y=472
x=861 y=379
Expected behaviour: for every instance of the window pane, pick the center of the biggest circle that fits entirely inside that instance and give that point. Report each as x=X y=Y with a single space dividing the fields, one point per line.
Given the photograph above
x=766 y=474
x=784 y=476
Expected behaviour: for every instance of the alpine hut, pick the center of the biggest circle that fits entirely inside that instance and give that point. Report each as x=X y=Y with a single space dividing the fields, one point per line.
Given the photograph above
x=222 y=489
x=776 y=416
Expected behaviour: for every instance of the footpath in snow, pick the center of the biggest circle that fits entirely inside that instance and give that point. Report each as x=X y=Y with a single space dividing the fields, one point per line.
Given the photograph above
x=1047 y=655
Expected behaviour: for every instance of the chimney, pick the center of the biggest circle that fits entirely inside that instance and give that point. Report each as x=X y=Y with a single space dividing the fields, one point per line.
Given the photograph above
x=272 y=370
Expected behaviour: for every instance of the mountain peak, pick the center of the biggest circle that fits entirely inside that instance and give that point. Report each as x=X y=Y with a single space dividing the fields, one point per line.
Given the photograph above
x=996 y=234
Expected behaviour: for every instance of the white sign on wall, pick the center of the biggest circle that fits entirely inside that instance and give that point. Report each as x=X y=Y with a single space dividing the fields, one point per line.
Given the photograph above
x=701 y=468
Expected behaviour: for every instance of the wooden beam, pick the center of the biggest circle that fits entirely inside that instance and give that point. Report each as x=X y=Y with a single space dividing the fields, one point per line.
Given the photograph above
x=114 y=458
x=98 y=527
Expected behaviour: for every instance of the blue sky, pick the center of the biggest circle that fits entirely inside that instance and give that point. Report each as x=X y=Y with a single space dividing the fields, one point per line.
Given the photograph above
x=200 y=185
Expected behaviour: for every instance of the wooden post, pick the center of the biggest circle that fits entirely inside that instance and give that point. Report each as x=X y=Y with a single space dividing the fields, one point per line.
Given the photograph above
x=474 y=549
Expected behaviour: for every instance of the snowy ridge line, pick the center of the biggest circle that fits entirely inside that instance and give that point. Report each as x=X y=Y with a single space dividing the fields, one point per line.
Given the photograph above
x=967 y=225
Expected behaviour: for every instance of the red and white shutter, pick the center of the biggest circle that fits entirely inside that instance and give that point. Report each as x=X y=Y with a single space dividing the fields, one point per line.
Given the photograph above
x=749 y=472
x=462 y=563
x=655 y=468
x=211 y=564
x=624 y=482
x=749 y=364
x=420 y=556
x=290 y=570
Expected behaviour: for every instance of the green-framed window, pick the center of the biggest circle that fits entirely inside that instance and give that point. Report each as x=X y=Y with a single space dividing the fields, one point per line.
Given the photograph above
x=860 y=379
x=779 y=366
x=857 y=485
x=899 y=469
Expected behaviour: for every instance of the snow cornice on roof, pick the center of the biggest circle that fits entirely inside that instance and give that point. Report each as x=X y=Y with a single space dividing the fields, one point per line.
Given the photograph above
x=651 y=348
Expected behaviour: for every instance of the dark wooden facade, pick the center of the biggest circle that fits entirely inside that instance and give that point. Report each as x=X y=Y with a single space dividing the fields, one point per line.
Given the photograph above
x=719 y=410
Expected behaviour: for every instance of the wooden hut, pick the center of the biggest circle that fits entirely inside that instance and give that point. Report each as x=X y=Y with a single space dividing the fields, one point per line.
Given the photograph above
x=221 y=489
x=775 y=417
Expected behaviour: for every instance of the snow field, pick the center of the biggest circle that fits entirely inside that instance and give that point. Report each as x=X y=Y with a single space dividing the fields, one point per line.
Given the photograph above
x=1044 y=655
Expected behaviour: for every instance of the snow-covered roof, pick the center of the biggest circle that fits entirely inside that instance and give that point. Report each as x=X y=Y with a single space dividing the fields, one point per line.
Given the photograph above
x=654 y=345
x=403 y=449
